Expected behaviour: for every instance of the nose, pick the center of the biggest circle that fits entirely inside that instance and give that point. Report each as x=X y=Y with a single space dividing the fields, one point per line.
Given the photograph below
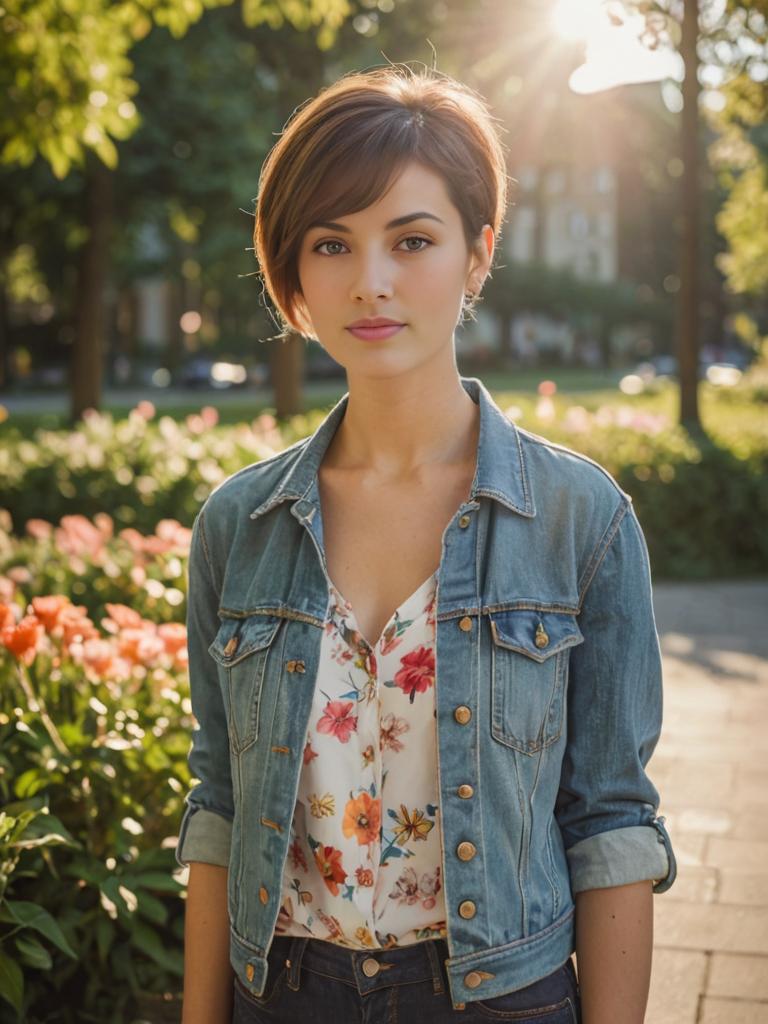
x=372 y=281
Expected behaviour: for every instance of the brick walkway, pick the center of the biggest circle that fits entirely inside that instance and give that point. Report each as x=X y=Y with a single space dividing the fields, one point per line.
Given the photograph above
x=711 y=769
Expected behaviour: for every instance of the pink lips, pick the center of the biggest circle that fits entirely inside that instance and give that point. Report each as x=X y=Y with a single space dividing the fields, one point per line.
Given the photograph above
x=375 y=333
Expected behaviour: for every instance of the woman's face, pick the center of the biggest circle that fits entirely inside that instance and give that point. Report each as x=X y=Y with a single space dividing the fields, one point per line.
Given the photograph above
x=404 y=258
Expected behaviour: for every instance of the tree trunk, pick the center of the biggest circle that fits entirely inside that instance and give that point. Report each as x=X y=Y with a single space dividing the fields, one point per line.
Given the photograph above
x=287 y=374
x=86 y=367
x=688 y=312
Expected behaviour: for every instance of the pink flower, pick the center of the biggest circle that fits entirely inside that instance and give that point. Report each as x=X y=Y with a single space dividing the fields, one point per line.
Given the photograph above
x=338 y=720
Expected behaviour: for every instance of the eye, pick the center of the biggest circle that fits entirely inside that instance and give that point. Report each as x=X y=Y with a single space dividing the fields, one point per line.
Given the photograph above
x=331 y=241
x=417 y=238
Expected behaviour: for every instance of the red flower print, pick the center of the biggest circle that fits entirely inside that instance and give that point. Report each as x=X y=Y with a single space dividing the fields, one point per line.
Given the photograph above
x=297 y=855
x=328 y=860
x=390 y=728
x=362 y=818
x=338 y=720
x=417 y=673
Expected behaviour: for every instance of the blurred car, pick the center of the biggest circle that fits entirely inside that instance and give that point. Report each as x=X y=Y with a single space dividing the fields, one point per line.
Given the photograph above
x=205 y=372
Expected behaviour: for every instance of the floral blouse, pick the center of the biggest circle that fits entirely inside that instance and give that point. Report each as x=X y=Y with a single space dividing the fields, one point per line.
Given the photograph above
x=363 y=865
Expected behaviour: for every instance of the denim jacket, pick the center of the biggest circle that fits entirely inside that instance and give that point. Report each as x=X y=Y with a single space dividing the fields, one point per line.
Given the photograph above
x=548 y=695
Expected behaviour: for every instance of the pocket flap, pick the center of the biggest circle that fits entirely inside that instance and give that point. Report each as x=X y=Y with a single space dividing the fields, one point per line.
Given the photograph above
x=519 y=630
x=237 y=638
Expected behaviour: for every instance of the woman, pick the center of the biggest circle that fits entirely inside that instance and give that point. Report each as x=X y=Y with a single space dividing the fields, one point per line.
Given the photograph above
x=423 y=656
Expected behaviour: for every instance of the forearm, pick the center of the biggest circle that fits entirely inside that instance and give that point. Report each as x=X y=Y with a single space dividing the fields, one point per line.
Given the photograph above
x=614 y=948
x=208 y=974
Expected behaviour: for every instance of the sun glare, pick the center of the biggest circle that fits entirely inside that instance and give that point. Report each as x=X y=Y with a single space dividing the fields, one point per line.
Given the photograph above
x=578 y=19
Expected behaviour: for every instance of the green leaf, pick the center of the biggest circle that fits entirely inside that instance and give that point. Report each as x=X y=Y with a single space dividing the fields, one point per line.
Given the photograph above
x=147 y=940
x=11 y=981
x=33 y=916
x=156 y=880
x=151 y=908
x=33 y=953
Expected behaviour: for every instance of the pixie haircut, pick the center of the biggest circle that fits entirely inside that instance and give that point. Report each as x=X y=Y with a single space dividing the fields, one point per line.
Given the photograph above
x=339 y=152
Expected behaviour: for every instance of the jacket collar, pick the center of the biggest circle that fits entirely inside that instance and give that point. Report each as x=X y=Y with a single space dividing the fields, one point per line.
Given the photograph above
x=500 y=473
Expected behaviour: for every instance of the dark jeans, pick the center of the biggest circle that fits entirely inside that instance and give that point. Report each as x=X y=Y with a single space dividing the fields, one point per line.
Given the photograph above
x=311 y=981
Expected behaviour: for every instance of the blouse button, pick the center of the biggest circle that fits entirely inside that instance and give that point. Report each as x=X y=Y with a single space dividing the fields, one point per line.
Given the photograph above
x=464 y=522
x=371 y=967
x=466 y=850
x=462 y=714
x=465 y=791
x=465 y=623
x=467 y=909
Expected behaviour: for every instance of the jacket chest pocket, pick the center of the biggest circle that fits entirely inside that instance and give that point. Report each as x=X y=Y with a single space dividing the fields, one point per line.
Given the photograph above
x=241 y=649
x=529 y=663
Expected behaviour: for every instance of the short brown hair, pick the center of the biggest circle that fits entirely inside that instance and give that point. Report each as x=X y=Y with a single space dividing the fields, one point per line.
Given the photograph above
x=340 y=150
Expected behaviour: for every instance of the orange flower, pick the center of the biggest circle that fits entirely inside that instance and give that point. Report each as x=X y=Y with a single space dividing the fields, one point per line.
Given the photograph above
x=328 y=860
x=48 y=608
x=123 y=616
x=22 y=639
x=173 y=635
x=362 y=818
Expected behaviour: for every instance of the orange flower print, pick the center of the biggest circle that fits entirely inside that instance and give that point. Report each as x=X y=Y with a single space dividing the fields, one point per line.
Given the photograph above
x=362 y=818
x=335 y=931
x=368 y=755
x=364 y=877
x=414 y=826
x=363 y=936
x=309 y=753
x=391 y=728
x=328 y=860
x=337 y=720
x=417 y=673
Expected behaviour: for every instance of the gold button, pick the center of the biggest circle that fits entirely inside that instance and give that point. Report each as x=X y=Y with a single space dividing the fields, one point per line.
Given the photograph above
x=462 y=714
x=466 y=850
x=371 y=967
x=541 y=639
x=231 y=645
x=263 y=895
x=467 y=909
x=472 y=980
x=465 y=623
x=464 y=521
x=249 y=972
x=290 y=666
x=465 y=791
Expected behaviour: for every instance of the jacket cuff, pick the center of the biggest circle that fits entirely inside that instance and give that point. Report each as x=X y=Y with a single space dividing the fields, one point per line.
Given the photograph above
x=204 y=836
x=622 y=856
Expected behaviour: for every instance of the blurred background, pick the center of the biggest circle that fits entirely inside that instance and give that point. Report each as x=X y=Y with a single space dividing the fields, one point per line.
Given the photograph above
x=627 y=318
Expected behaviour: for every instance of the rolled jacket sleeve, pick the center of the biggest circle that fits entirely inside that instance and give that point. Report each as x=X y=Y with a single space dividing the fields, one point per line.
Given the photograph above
x=606 y=805
x=206 y=827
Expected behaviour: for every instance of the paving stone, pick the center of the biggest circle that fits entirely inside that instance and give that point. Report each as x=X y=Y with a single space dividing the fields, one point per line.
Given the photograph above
x=711 y=927
x=737 y=854
x=694 y=883
x=732 y=1011
x=677 y=978
x=740 y=977
x=739 y=887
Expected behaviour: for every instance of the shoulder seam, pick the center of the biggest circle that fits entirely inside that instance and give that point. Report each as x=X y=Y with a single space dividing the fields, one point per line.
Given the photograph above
x=602 y=547
x=546 y=443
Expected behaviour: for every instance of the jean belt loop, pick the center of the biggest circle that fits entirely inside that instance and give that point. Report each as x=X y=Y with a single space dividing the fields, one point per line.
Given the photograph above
x=434 y=961
x=293 y=963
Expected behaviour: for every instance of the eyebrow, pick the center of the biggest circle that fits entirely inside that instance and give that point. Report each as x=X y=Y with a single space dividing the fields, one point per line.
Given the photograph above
x=396 y=223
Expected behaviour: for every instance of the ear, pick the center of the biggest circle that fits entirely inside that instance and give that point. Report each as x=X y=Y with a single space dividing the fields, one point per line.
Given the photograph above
x=481 y=259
